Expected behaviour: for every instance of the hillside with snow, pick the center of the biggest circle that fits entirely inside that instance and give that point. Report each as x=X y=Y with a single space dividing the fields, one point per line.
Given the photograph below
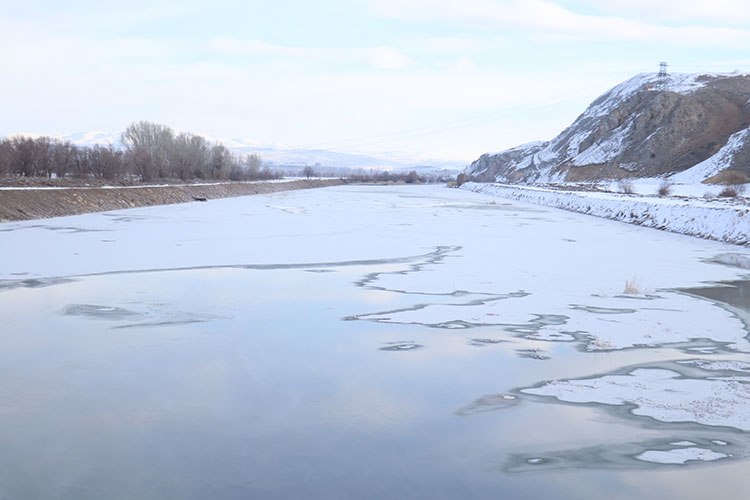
x=691 y=129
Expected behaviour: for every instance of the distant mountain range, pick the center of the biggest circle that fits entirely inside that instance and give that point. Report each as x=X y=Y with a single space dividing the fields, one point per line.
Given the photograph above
x=297 y=158
x=688 y=127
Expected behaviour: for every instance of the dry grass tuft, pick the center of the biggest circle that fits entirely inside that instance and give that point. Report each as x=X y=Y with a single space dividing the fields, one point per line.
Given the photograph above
x=632 y=287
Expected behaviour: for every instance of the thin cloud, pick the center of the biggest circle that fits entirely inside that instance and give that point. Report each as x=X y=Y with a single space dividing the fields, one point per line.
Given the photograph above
x=726 y=12
x=544 y=20
x=382 y=57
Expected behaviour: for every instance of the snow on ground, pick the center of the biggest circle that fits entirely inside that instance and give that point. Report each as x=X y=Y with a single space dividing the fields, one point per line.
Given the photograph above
x=732 y=366
x=649 y=186
x=683 y=83
x=663 y=395
x=602 y=152
x=727 y=221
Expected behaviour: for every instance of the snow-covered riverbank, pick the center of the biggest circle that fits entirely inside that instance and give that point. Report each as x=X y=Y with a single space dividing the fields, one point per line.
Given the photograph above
x=722 y=220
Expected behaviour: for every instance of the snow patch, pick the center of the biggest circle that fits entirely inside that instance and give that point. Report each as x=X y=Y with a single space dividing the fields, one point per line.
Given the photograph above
x=716 y=163
x=662 y=395
x=680 y=456
x=732 y=366
x=604 y=151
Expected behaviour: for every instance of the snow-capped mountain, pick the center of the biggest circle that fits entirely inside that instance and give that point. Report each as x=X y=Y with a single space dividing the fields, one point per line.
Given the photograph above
x=693 y=127
x=332 y=159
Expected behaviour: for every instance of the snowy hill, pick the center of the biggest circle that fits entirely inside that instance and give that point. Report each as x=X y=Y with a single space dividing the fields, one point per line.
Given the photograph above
x=693 y=128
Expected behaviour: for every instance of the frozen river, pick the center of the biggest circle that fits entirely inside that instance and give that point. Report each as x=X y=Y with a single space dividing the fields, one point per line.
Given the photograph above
x=370 y=342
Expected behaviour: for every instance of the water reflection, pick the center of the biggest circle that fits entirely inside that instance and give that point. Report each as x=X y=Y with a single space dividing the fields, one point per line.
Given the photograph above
x=734 y=296
x=243 y=382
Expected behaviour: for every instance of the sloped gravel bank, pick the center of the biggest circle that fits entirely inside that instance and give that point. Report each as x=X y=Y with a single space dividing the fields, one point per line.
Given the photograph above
x=727 y=221
x=40 y=203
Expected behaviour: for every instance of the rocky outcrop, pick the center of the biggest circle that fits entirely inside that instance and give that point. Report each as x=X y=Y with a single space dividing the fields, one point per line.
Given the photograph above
x=639 y=130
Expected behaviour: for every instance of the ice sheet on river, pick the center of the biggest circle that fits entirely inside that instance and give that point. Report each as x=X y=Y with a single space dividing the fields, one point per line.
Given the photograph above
x=604 y=323
x=662 y=394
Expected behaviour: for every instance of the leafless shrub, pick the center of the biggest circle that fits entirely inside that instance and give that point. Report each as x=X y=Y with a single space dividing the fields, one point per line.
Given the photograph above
x=625 y=186
x=664 y=188
x=732 y=191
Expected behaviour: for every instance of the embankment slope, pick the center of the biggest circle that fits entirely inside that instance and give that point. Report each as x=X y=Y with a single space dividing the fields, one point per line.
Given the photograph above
x=40 y=203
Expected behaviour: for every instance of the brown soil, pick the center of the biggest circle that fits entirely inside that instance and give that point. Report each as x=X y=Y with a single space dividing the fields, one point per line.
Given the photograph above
x=728 y=178
x=24 y=204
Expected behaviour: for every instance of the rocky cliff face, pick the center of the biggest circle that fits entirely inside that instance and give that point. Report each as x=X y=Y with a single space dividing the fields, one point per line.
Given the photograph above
x=697 y=127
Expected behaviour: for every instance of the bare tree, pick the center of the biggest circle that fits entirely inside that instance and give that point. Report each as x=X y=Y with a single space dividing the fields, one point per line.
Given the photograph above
x=81 y=167
x=190 y=156
x=24 y=157
x=221 y=161
x=43 y=157
x=63 y=157
x=148 y=146
x=6 y=157
x=308 y=172
x=252 y=164
x=105 y=162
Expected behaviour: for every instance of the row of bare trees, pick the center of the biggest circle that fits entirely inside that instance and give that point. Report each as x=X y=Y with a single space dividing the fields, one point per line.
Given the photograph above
x=45 y=157
x=150 y=151
x=156 y=151
x=385 y=176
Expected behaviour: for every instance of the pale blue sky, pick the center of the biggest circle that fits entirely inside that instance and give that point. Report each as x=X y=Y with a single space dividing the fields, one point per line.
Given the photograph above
x=444 y=78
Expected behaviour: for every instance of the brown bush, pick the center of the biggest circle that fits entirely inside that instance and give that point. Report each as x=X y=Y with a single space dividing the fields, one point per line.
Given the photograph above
x=732 y=191
x=664 y=188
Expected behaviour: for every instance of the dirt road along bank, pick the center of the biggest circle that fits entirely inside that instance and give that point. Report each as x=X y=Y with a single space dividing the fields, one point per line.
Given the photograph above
x=25 y=204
